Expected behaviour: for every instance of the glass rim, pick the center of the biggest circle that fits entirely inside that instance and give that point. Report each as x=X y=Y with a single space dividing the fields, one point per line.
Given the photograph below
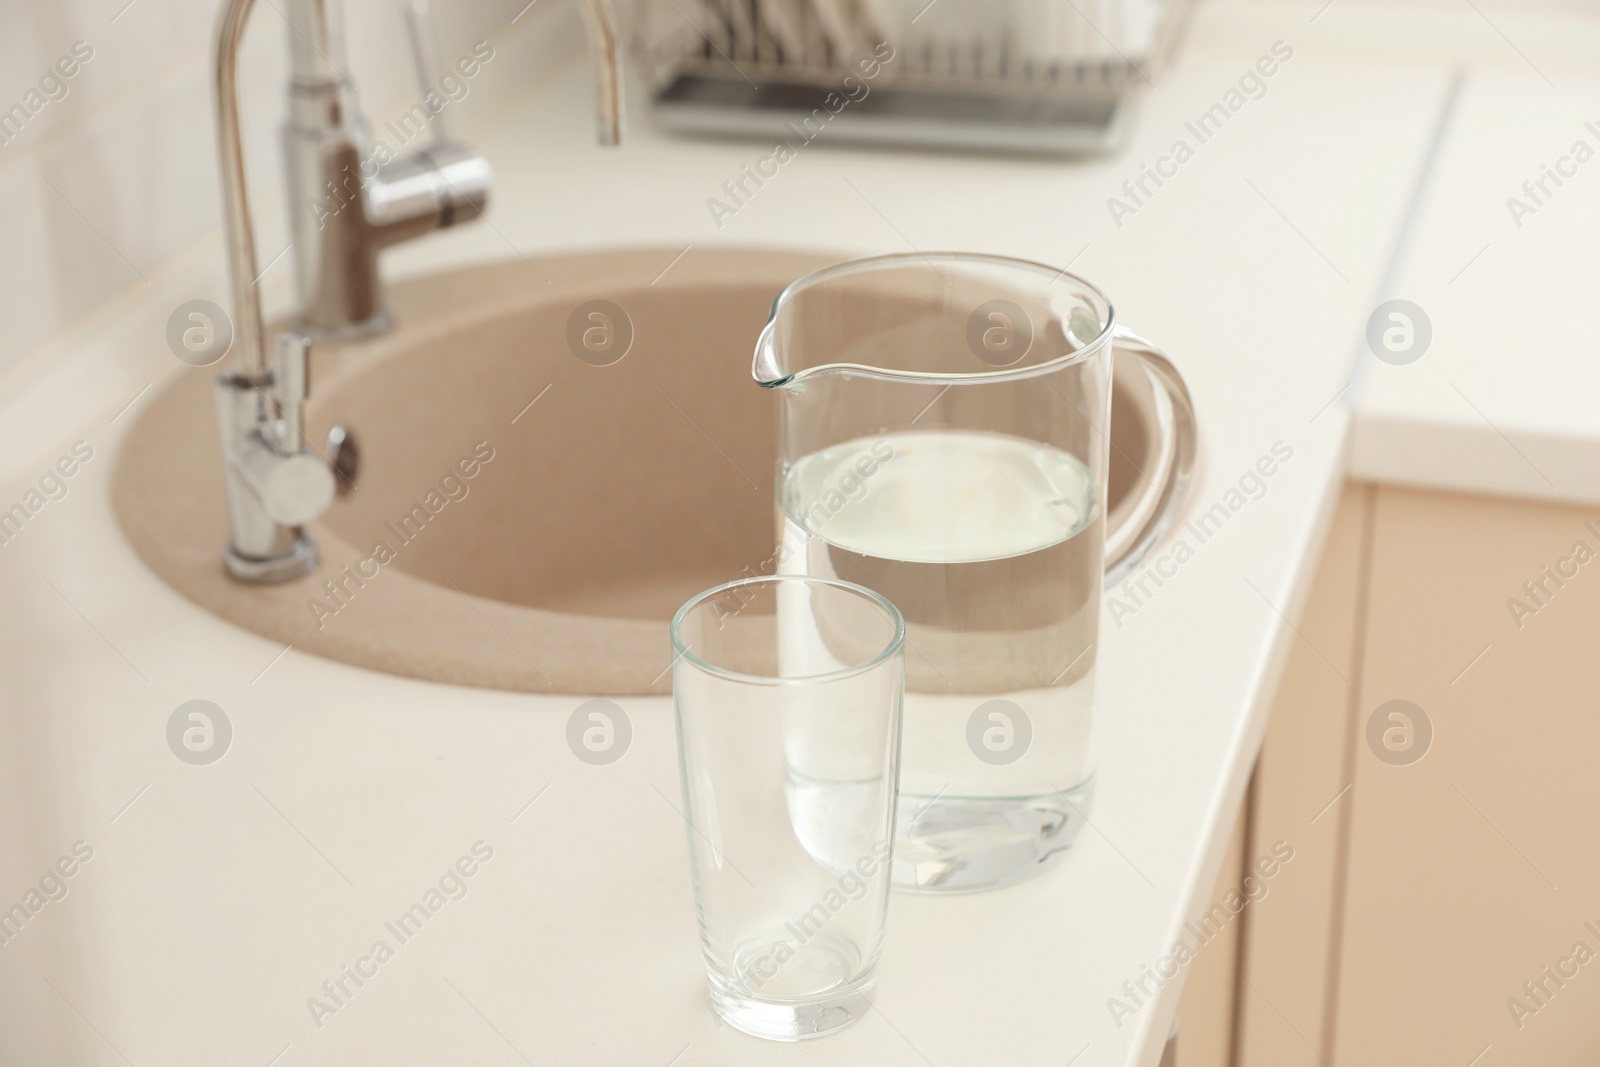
x=1103 y=339
x=681 y=651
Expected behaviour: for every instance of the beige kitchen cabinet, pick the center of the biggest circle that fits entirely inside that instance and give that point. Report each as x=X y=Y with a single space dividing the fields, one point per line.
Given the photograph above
x=1269 y=1005
x=1285 y=1011
x=1205 y=1013
x=1477 y=867
x=1443 y=902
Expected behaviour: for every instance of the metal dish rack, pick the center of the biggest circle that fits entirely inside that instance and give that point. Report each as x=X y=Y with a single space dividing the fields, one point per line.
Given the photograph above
x=1051 y=77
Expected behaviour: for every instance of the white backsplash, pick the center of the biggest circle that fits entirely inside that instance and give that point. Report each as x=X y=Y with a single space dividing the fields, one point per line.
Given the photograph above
x=116 y=178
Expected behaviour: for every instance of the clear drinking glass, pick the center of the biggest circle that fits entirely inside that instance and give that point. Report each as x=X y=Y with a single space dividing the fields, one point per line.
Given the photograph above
x=788 y=694
x=944 y=439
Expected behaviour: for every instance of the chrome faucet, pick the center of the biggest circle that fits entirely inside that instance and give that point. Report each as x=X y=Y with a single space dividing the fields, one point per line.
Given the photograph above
x=347 y=204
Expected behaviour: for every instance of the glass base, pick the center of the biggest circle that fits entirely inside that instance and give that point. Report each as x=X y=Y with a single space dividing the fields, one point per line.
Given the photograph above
x=970 y=844
x=779 y=1021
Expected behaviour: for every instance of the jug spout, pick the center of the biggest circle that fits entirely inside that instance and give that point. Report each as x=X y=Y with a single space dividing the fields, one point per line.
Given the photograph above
x=768 y=369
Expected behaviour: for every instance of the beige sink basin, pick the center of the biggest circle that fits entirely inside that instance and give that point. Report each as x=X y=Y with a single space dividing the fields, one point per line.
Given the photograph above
x=522 y=519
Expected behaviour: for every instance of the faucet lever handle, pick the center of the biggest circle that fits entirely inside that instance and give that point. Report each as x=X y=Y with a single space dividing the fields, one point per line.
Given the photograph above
x=292 y=485
x=291 y=374
x=425 y=56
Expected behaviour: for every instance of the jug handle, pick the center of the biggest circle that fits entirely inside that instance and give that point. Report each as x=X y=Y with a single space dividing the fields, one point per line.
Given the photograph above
x=1166 y=479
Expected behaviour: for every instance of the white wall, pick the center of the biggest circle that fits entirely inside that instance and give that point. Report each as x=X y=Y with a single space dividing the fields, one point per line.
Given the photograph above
x=104 y=187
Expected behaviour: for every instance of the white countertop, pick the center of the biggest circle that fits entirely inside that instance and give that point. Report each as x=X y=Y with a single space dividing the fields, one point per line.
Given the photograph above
x=220 y=898
x=1507 y=397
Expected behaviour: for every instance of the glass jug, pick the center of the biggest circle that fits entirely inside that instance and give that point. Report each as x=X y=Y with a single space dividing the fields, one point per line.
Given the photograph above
x=944 y=439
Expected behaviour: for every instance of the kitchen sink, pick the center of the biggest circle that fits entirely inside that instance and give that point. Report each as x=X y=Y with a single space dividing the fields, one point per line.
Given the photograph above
x=545 y=458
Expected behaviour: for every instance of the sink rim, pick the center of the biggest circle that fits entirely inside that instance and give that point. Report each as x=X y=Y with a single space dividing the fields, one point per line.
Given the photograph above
x=174 y=517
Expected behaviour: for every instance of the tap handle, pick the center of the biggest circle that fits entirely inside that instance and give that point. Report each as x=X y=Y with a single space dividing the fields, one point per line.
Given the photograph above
x=294 y=486
x=291 y=374
x=425 y=55
x=292 y=490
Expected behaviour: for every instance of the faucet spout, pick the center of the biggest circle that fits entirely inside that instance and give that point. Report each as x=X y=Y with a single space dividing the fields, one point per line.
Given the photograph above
x=250 y=359
x=600 y=18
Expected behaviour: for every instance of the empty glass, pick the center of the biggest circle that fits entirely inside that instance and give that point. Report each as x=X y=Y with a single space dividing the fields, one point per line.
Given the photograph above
x=788 y=695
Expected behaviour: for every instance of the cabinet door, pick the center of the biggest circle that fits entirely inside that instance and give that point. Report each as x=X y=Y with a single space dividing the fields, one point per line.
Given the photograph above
x=1205 y=1011
x=1301 y=803
x=1472 y=917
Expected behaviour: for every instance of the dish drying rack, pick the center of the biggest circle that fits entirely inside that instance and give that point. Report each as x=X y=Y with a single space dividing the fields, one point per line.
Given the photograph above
x=1052 y=77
